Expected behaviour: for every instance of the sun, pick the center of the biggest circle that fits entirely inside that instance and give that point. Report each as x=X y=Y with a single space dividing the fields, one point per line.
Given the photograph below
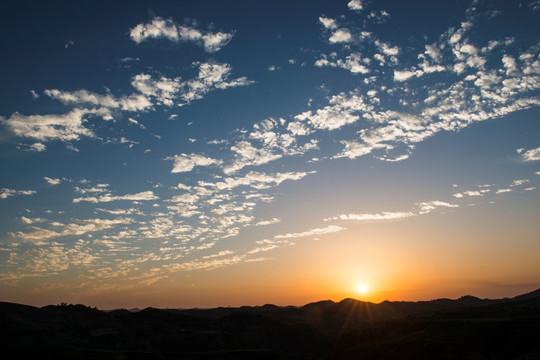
x=362 y=289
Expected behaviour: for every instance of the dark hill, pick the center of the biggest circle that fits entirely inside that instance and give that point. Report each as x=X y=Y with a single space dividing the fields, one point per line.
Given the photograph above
x=466 y=328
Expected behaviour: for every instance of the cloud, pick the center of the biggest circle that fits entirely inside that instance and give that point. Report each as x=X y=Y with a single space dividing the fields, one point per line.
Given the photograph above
x=213 y=42
x=77 y=228
x=311 y=232
x=268 y=222
x=206 y=264
x=519 y=182
x=5 y=193
x=52 y=181
x=186 y=162
x=386 y=215
x=151 y=91
x=328 y=23
x=37 y=147
x=342 y=35
x=355 y=5
x=258 y=180
x=142 y=196
x=247 y=154
x=473 y=193
x=134 y=102
x=167 y=29
x=219 y=254
x=531 y=155
x=353 y=62
x=343 y=110
x=67 y=127
x=406 y=74
x=211 y=76
x=422 y=208
x=163 y=89
x=427 y=207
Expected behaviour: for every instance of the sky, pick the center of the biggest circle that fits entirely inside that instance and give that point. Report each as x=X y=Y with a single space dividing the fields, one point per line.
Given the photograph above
x=227 y=153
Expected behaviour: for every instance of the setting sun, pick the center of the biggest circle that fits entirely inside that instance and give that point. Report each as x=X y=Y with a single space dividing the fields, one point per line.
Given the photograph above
x=362 y=289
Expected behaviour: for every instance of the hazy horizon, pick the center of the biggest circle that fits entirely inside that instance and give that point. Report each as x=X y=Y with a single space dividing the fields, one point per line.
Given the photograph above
x=209 y=153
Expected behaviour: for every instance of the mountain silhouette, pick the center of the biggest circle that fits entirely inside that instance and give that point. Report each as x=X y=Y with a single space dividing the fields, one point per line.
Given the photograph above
x=465 y=328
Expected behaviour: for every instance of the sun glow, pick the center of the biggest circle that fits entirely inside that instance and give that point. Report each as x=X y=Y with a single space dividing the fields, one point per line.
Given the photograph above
x=362 y=289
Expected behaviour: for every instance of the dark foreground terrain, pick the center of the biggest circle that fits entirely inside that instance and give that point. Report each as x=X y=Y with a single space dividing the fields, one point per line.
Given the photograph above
x=467 y=328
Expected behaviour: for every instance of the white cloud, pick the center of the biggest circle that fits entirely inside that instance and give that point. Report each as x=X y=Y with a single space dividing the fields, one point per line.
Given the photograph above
x=77 y=228
x=257 y=180
x=211 y=76
x=207 y=264
x=406 y=74
x=342 y=35
x=427 y=207
x=5 y=193
x=434 y=52
x=268 y=222
x=340 y=113
x=186 y=162
x=355 y=5
x=328 y=23
x=213 y=42
x=531 y=155
x=386 y=215
x=164 y=89
x=247 y=155
x=353 y=62
x=134 y=102
x=422 y=208
x=37 y=147
x=67 y=127
x=387 y=49
x=168 y=29
x=519 y=182
x=142 y=196
x=311 y=232
x=502 y=191
x=219 y=254
x=52 y=181
x=157 y=28
x=472 y=193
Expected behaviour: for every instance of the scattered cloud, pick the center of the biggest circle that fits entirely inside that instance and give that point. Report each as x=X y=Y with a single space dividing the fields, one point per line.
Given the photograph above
x=317 y=231
x=355 y=5
x=52 y=181
x=186 y=162
x=142 y=196
x=386 y=215
x=67 y=127
x=167 y=29
x=531 y=155
x=37 y=147
x=5 y=193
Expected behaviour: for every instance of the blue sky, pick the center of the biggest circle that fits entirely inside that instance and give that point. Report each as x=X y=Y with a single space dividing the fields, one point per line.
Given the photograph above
x=162 y=153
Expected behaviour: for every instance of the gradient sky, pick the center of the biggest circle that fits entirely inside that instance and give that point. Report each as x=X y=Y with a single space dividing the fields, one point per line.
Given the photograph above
x=214 y=153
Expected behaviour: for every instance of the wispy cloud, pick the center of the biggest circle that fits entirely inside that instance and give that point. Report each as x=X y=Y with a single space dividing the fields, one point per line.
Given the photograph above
x=421 y=208
x=5 y=193
x=317 y=231
x=142 y=196
x=168 y=29
x=355 y=5
x=52 y=181
x=186 y=162
x=67 y=127
x=531 y=155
